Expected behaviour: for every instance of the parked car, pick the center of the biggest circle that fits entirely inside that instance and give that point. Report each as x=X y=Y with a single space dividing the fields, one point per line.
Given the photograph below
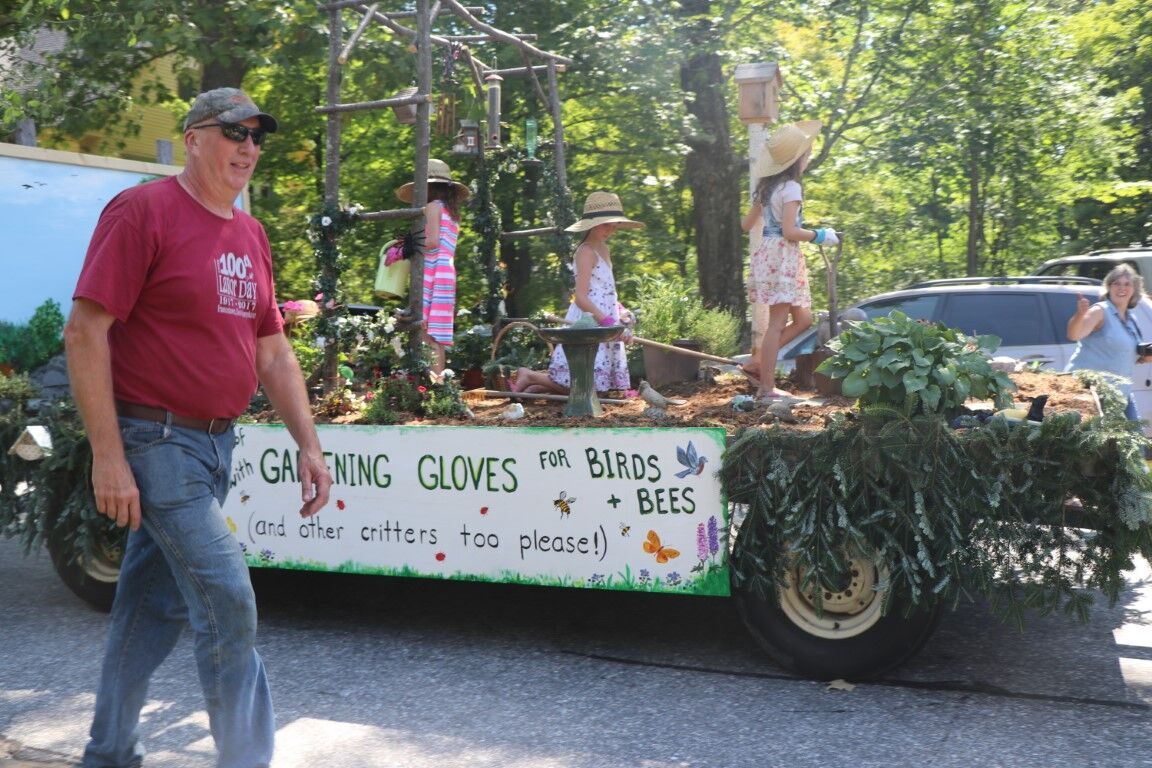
x=1097 y=264
x=1029 y=314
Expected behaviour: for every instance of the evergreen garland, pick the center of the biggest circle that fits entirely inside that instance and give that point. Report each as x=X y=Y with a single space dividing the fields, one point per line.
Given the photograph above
x=493 y=166
x=945 y=511
x=324 y=231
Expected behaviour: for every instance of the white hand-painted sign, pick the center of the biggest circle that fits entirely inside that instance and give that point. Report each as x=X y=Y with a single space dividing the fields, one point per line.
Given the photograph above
x=629 y=509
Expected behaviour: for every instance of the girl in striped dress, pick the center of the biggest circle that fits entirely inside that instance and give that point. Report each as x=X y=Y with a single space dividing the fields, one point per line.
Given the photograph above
x=441 y=229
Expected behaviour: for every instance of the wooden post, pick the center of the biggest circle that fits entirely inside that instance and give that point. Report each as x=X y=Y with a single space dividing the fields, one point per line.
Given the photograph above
x=330 y=369
x=557 y=128
x=420 y=175
x=759 y=84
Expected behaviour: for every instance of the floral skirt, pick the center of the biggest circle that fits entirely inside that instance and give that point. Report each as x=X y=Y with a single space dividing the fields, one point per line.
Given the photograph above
x=778 y=274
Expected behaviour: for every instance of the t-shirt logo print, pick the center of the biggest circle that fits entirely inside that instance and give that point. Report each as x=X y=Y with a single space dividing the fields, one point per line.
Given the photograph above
x=236 y=285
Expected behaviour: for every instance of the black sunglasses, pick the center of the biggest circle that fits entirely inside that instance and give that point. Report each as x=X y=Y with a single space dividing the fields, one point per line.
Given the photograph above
x=237 y=132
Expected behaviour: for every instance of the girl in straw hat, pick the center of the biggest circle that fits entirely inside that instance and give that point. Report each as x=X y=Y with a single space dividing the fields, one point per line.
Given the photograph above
x=441 y=229
x=779 y=276
x=595 y=295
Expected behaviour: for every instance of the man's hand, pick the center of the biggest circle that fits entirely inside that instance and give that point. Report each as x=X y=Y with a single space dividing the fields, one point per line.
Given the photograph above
x=315 y=484
x=115 y=490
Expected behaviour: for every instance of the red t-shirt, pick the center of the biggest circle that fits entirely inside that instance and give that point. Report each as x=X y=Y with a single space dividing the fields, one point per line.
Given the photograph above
x=190 y=291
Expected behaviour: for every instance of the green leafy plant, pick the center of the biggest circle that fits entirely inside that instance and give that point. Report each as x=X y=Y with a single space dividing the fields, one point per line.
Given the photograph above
x=30 y=345
x=443 y=400
x=670 y=309
x=470 y=348
x=519 y=346
x=374 y=345
x=404 y=396
x=915 y=367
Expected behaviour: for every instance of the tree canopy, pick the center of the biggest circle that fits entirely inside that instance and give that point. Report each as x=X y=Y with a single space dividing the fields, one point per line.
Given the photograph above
x=960 y=136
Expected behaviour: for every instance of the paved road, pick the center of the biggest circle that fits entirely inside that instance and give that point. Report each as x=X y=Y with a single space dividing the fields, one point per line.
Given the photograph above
x=378 y=673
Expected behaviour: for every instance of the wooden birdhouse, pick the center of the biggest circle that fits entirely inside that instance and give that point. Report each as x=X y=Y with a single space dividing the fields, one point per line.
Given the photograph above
x=759 y=86
x=405 y=113
x=468 y=139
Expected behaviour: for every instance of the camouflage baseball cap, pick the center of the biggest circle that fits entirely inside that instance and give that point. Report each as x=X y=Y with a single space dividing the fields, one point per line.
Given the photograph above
x=228 y=105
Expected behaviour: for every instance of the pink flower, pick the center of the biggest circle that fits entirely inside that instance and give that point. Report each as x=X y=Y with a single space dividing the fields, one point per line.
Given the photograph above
x=293 y=306
x=421 y=389
x=630 y=393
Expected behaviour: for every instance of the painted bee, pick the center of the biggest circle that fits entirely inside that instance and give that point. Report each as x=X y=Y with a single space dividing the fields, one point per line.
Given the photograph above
x=625 y=529
x=564 y=503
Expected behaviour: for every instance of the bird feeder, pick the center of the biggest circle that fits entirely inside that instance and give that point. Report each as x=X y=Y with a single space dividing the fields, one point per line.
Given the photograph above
x=405 y=113
x=759 y=86
x=531 y=141
x=493 y=81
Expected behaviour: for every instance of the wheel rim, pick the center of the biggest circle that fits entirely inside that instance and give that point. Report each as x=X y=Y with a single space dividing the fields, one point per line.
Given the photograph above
x=847 y=612
x=104 y=563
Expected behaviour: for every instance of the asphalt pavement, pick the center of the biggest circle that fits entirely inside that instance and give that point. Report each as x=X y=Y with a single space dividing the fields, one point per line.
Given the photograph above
x=392 y=673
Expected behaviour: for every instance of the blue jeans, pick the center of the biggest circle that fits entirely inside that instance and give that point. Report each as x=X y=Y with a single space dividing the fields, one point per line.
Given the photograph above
x=182 y=567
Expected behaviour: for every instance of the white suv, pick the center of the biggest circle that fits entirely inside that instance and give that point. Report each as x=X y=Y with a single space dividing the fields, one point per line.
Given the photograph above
x=1097 y=264
x=1029 y=314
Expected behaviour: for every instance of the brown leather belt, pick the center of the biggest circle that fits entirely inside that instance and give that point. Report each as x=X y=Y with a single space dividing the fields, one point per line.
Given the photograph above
x=148 y=413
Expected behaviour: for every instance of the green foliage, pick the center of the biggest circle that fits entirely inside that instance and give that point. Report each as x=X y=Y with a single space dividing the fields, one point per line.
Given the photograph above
x=668 y=309
x=914 y=367
x=518 y=346
x=943 y=512
x=471 y=348
x=28 y=346
x=59 y=502
x=443 y=399
x=403 y=396
x=373 y=345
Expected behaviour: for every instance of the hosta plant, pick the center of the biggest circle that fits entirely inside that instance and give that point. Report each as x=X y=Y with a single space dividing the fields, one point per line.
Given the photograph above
x=915 y=367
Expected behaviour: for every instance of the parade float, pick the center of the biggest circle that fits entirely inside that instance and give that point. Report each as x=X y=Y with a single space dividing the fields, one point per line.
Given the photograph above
x=841 y=525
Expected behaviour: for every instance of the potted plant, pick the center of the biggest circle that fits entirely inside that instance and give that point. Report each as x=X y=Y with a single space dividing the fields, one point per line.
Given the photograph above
x=470 y=350
x=670 y=312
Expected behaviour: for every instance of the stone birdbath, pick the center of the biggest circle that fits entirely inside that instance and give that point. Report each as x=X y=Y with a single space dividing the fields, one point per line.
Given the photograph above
x=580 y=346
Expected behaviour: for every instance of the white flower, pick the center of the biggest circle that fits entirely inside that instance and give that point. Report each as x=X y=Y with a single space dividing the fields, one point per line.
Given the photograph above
x=462 y=312
x=326 y=221
x=390 y=325
x=398 y=347
x=447 y=373
x=321 y=342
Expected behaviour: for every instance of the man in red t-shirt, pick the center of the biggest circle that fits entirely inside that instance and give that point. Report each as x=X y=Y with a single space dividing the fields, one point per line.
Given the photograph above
x=173 y=323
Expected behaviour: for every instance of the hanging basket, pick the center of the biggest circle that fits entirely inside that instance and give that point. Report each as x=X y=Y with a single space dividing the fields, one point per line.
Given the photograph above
x=392 y=279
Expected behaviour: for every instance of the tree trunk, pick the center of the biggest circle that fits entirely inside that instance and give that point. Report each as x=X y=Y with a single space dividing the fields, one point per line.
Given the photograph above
x=712 y=171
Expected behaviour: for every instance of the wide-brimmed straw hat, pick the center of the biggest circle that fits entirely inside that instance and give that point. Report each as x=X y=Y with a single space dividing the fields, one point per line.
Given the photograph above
x=438 y=173
x=603 y=208
x=785 y=146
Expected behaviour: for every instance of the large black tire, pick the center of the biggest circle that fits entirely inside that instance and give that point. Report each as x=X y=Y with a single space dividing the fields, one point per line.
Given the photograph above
x=852 y=638
x=92 y=579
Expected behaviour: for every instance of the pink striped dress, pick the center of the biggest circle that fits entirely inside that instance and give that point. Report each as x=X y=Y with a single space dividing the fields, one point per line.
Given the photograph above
x=440 y=281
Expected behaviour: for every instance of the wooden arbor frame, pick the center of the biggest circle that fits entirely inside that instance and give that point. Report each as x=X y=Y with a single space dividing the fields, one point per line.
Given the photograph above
x=339 y=51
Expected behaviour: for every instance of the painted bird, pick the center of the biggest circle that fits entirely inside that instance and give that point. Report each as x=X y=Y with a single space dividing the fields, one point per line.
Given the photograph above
x=652 y=397
x=687 y=457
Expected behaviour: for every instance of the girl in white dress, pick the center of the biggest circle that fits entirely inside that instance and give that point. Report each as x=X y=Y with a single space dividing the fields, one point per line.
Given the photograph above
x=595 y=294
x=778 y=274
